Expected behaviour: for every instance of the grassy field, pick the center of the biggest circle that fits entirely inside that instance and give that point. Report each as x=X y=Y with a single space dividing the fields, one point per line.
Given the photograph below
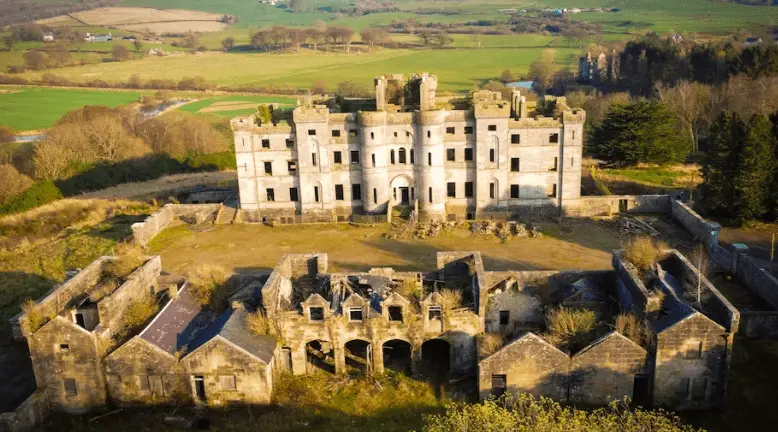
x=229 y=106
x=457 y=70
x=38 y=108
x=635 y=16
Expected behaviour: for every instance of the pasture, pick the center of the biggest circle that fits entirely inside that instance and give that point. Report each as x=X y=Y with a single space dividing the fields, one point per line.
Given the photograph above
x=230 y=106
x=457 y=69
x=705 y=16
x=39 y=108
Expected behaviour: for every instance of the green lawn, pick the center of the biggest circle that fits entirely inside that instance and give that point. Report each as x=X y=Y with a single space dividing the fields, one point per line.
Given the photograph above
x=39 y=108
x=204 y=103
x=457 y=70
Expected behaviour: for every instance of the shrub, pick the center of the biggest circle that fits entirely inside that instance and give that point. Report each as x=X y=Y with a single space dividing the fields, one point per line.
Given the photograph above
x=258 y=323
x=635 y=328
x=128 y=258
x=221 y=161
x=14 y=182
x=643 y=252
x=37 y=195
x=569 y=327
x=449 y=300
x=525 y=413
x=207 y=284
x=137 y=314
x=489 y=343
x=35 y=317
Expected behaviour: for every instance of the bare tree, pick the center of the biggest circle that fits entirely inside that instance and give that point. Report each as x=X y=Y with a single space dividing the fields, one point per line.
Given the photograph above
x=14 y=182
x=315 y=35
x=297 y=37
x=691 y=103
x=542 y=70
x=52 y=160
x=120 y=53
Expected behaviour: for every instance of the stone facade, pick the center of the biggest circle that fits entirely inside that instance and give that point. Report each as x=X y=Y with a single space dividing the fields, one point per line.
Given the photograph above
x=448 y=163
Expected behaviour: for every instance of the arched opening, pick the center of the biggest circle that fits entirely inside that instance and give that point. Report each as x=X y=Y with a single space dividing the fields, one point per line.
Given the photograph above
x=319 y=355
x=435 y=358
x=401 y=189
x=397 y=356
x=359 y=356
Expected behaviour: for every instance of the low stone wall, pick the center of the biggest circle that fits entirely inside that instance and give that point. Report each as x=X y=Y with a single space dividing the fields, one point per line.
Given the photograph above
x=759 y=324
x=143 y=232
x=27 y=415
x=608 y=205
x=758 y=280
x=111 y=309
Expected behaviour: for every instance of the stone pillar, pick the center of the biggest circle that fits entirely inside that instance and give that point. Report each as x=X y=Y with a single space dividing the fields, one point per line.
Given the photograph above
x=378 y=357
x=340 y=358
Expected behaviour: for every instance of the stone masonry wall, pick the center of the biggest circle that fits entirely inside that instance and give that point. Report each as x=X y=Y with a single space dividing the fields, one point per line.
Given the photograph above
x=28 y=414
x=141 y=282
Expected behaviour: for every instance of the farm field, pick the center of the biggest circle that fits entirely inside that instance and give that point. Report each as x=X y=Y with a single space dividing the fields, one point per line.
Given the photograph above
x=39 y=108
x=636 y=16
x=457 y=70
x=229 y=106
x=152 y=20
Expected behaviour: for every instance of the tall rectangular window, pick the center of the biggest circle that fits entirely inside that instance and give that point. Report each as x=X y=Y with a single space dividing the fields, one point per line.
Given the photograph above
x=268 y=168
x=265 y=143
x=401 y=155
x=372 y=158
x=316 y=194
x=551 y=191
x=412 y=161
x=429 y=158
x=468 y=189
x=375 y=196
x=499 y=385
x=468 y=154
x=291 y=166
x=430 y=195
x=451 y=155
x=354 y=156
x=356 y=192
x=514 y=191
x=515 y=164
x=70 y=386
x=338 y=192
x=271 y=195
x=451 y=190
x=313 y=159
x=293 y=196
x=491 y=155
x=391 y=156
x=505 y=317
x=554 y=165
x=336 y=158
x=515 y=139
x=491 y=190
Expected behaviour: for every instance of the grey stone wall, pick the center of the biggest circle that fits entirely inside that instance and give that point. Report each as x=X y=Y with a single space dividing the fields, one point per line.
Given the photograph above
x=28 y=414
x=759 y=324
x=611 y=204
x=139 y=283
x=143 y=232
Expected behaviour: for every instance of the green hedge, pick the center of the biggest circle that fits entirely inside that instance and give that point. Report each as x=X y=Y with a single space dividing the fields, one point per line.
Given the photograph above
x=35 y=196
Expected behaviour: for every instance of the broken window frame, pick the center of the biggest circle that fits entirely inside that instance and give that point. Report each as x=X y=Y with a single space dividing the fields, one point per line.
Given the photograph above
x=228 y=383
x=356 y=314
x=316 y=314
x=434 y=312
x=395 y=313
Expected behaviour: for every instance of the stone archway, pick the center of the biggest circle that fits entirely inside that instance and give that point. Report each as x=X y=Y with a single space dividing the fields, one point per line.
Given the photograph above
x=402 y=189
x=436 y=357
x=397 y=355
x=319 y=354
x=359 y=355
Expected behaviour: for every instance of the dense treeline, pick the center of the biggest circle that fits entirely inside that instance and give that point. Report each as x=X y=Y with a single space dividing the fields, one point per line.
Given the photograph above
x=741 y=167
x=97 y=147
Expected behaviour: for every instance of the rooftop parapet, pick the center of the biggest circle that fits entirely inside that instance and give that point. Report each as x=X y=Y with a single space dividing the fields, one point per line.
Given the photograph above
x=429 y=118
x=247 y=124
x=458 y=115
x=343 y=117
x=534 y=123
x=371 y=118
x=573 y=115
x=306 y=114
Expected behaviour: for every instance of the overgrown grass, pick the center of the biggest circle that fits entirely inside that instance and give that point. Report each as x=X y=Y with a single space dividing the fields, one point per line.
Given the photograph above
x=128 y=258
x=569 y=328
x=679 y=177
x=489 y=343
x=643 y=252
x=169 y=236
x=35 y=317
x=137 y=314
x=635 y=328
x=208 y=285
x=450 y=299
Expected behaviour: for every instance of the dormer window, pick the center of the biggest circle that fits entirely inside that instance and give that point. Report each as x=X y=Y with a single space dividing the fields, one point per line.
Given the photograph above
x=396 y=313
x=316 y=313
x=355 y=314
x=434 y=312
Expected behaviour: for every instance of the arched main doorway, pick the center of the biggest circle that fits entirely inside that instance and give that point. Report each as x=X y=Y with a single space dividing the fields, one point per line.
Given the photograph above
x=319 y=355
x=397 y=356
x=435 y=357
x=359 y=356
x=402 y=190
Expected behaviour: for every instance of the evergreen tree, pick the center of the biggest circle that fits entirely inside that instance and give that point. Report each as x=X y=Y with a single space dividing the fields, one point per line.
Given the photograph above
x=754 y=171
x=639 y=132
x=773 y=204
x=716 y=167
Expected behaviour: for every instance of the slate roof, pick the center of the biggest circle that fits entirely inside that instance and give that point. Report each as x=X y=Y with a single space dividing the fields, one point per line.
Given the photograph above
x=230 y=326
x=673 y=309
x=179 y=322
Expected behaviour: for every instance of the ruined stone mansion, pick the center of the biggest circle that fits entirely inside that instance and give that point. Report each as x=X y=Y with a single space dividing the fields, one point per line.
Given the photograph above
x=497 y=155
x=422 y=323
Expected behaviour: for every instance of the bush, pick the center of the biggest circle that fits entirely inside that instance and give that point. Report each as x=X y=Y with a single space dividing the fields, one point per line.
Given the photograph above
x=14 y=182
x=37 y=195
x=258 y=323
x=221 y=161
x=207 y=284
x=642 y=252
x=128 y=259
x=569 y=328
x=449 y=300
x=635 y=328
x=137 y=314
x=489 y=343
x=525 y=413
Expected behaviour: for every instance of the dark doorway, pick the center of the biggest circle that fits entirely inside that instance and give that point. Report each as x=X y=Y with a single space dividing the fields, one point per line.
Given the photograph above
x=641 y=392
x=397 y=356
x=359 y=356
x=405 y=196
x=436 y=358
x=80 y=320
x=200 y=388
x=319 y=355
x=623 y=206
x=499 y=385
